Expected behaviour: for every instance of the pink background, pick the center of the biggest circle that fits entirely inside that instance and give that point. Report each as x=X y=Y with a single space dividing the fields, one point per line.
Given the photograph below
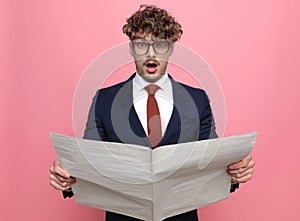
x=252 y=46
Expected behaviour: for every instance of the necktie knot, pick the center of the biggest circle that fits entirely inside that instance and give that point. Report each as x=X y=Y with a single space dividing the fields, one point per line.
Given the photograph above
x=151 y=88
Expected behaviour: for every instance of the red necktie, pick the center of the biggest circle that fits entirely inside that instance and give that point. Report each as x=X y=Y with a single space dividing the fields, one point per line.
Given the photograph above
x=153 y=116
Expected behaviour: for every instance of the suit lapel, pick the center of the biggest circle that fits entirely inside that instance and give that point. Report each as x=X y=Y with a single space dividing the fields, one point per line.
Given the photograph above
x=128 y=126
x=184 y=123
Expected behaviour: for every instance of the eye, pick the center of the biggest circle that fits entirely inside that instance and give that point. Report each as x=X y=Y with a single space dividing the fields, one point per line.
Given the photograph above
x=141 y=45
x=161 y=44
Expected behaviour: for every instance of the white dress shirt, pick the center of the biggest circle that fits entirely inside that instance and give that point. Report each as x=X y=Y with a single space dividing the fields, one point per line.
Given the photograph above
x=163 y=96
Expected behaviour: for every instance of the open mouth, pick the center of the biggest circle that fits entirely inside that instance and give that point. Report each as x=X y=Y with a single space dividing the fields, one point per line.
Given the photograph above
x=151 y=66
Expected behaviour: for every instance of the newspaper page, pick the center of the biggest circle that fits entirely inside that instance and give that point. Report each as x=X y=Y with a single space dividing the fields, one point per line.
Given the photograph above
x=150 y=184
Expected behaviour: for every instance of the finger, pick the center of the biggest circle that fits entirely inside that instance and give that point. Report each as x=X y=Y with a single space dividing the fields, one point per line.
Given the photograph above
x=56 y=168
x=59 y=185
x=61 y=179
x=59 y=182
x=245 y=173
x=242 y=163
x=240 y=170
x=243 y=179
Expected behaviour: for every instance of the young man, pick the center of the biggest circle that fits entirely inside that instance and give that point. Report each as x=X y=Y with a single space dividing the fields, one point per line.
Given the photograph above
x=150 y=108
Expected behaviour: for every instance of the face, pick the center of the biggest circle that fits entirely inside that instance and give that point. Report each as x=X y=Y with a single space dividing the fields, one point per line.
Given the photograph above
x=151 y=57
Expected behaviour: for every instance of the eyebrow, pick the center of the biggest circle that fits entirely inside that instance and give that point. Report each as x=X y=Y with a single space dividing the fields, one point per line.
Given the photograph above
x=148 y=41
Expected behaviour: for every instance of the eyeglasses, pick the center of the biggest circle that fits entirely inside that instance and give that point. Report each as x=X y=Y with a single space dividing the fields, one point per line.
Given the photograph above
x=142 y=48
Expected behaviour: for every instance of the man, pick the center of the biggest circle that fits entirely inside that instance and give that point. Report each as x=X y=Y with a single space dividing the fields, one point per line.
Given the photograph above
x=151 y=108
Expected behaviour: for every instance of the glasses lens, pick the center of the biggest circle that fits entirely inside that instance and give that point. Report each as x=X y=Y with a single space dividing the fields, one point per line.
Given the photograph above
x=161 y=47
x=140 y=48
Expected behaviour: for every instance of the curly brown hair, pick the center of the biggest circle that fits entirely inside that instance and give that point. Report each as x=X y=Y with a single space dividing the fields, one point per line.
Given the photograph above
x=152 y=21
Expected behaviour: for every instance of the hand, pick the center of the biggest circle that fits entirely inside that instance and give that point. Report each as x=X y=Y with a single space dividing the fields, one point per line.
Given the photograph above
x=60 y=179
x=241 y=171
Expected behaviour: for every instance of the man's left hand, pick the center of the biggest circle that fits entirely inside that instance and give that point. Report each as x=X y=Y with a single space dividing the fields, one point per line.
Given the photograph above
x=241 y=171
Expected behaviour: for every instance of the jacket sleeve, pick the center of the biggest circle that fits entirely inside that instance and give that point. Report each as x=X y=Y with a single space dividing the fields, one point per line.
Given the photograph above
x=207 y=123
x=94 y=129
x=91 y=132
x=208 y=130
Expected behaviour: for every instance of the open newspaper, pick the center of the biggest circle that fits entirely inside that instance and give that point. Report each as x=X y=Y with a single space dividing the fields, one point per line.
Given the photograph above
x=150 y=184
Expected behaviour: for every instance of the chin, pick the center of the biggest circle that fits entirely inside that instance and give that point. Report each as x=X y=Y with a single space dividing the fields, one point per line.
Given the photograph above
x=151 y=78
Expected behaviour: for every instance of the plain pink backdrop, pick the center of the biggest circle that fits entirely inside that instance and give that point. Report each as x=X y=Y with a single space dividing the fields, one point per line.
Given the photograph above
x=252 y=46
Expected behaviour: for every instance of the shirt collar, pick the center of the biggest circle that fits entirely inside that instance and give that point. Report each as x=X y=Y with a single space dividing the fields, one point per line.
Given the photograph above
x=140 y=83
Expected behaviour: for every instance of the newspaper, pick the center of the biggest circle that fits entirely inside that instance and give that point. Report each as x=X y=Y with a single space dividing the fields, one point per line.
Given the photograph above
x=150 y=184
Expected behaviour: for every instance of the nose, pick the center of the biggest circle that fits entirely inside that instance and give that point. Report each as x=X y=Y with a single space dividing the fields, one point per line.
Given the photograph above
x=151 y=52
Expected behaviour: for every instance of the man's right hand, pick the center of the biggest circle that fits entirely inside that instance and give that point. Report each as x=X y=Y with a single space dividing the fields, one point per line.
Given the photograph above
x=60 y=179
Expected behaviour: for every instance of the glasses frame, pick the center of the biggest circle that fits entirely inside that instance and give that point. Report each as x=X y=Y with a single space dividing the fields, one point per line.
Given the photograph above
x=150 y=44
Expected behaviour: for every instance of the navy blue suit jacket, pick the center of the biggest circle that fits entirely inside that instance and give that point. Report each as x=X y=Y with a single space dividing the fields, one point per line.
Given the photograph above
x=112 y=117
